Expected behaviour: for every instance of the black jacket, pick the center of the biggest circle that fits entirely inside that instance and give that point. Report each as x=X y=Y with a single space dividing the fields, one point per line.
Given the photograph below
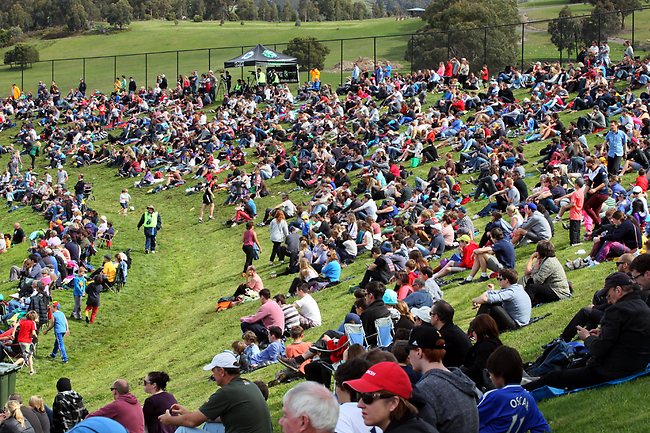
x=410 y=424
x=476 y=359
x=456 y=345
x=39 y=303
x=623 y=347
x=374 y=311
x=10 y=425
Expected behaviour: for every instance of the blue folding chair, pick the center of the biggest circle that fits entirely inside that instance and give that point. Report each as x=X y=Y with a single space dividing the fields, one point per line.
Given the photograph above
x=384 y=327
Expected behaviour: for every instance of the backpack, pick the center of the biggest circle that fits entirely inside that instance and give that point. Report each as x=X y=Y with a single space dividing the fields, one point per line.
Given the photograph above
x=558 y=355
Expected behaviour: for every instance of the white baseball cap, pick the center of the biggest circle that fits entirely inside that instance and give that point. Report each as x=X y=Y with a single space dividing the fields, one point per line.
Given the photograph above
x=423 y=313
x=222 y=360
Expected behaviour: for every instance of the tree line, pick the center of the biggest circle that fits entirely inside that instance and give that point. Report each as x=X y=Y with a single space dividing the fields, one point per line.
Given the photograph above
x=76 y=15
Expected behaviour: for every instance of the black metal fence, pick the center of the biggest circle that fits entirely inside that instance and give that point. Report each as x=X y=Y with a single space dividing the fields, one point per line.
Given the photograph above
x=404 y=51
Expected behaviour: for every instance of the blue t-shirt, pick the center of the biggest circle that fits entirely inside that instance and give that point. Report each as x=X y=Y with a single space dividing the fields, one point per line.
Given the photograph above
x=79 y=285
x=510 y=409
x=59 y=322
x=332 y=271
x=505 y=253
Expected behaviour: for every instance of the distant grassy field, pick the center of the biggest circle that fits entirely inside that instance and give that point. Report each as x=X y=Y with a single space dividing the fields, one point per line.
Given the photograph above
x=153 y=36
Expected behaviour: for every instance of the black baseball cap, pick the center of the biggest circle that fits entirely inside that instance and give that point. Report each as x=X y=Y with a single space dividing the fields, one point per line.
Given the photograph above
x=425 y=337
x=618 y=279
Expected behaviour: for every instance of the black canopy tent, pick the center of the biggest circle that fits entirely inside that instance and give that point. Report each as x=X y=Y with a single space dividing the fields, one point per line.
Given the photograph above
x=263 y=56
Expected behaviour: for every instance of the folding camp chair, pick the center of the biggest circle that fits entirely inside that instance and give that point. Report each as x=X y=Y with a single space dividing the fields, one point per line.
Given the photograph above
x=384 y=327
x=355 y=333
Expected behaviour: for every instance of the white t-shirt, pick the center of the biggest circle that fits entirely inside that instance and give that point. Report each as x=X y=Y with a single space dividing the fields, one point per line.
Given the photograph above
x=351 y=421
x=308 y=307
x=125 y=197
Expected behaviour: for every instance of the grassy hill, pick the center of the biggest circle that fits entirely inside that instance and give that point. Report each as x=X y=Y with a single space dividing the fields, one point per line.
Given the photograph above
x=165 y=319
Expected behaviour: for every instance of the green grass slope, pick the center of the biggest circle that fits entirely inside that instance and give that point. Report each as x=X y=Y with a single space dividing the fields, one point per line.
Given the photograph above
x=164 y=318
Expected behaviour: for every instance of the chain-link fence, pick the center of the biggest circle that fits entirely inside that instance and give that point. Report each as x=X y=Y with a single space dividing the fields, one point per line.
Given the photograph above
x=517 y=44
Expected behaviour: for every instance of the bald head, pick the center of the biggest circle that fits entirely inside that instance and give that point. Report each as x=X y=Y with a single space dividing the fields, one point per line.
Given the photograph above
x=121 y=386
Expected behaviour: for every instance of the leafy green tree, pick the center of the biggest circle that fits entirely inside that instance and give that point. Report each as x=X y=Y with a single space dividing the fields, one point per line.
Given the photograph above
x=288 y=12
x=360 y=11
x=308 y=10
x=378 y=10
x=447 y=33
x=77 y=17
x=18 y=16
x=120 y=14
x=308 y=51
x=602 y=23
x=21 y=55
x=564 y=30
x=264 y=10
x=275 y=15
x=246 y=10
x=623 y=7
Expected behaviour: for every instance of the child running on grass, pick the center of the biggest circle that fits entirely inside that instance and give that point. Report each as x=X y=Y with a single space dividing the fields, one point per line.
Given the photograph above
x=78 y=290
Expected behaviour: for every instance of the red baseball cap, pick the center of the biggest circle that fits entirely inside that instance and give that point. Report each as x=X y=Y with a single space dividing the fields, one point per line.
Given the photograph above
x=384 y=376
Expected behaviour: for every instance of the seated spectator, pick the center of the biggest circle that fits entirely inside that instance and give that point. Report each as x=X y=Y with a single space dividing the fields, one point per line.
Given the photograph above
x=495 y=410
x=499 y=255
x=375 y=309
x=380 y=270
x=589 y=317
x=291 y=315
x=625 y=237
x=456 y=342
x=125 y=408
x=251 y=349
x=544 y=279
x=385 y=391
x=450 y=395
x=619 y=348
x=534 y=229
x=402 y=285
x=307 y=307
x=272 y=352
x=510 y=306
x=269 y=314
x=466 y=247
x=251 y=288
x=305 y=275
x=485 y=332
x=14 y=421
x=350 y=417
x=420 y=296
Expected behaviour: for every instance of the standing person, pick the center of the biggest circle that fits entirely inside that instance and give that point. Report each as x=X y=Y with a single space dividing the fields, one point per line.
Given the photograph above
x=155 y=383
x=68 y=408
x=79 y=188
x=93 y=290
x=78 y=290
x=249 y=240
x=124 y=408
x=152 y=223
x=576 y=203
x=616 y=145
x=278 y=231
x=26 y=335
x=208 y=201
x=239 y=403
x=598 y=190
x=125 y=199
x=495 y=410
x=385 y=390
x=61 y=329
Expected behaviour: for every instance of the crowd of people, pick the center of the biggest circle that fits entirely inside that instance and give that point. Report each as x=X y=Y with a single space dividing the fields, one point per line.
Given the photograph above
x=398 y=360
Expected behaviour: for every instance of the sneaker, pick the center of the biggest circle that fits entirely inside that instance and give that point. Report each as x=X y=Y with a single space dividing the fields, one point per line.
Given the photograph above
x=65 y=361
x=593 y=263
x=290 y=363
x=87 y=317
x=483 y=278
x=462 y=283
x=52 y=356
x=565 y=225
x=575 y=245
x=200 y=220
x=210 y=218
x=153 y=251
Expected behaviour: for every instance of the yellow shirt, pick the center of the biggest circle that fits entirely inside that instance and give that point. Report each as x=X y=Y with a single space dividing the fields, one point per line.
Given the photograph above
x=110 y=270
x=315 y=73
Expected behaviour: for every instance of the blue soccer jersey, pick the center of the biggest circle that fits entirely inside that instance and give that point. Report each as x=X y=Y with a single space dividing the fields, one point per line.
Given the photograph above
x=510 y=409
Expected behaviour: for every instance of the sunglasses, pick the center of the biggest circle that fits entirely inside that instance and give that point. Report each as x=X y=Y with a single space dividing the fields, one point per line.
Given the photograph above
x=500 y=278
x=371 y=397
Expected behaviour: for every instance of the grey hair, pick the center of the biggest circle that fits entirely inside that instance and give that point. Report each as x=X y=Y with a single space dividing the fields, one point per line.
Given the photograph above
x=580 y=182
x=314 y=401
